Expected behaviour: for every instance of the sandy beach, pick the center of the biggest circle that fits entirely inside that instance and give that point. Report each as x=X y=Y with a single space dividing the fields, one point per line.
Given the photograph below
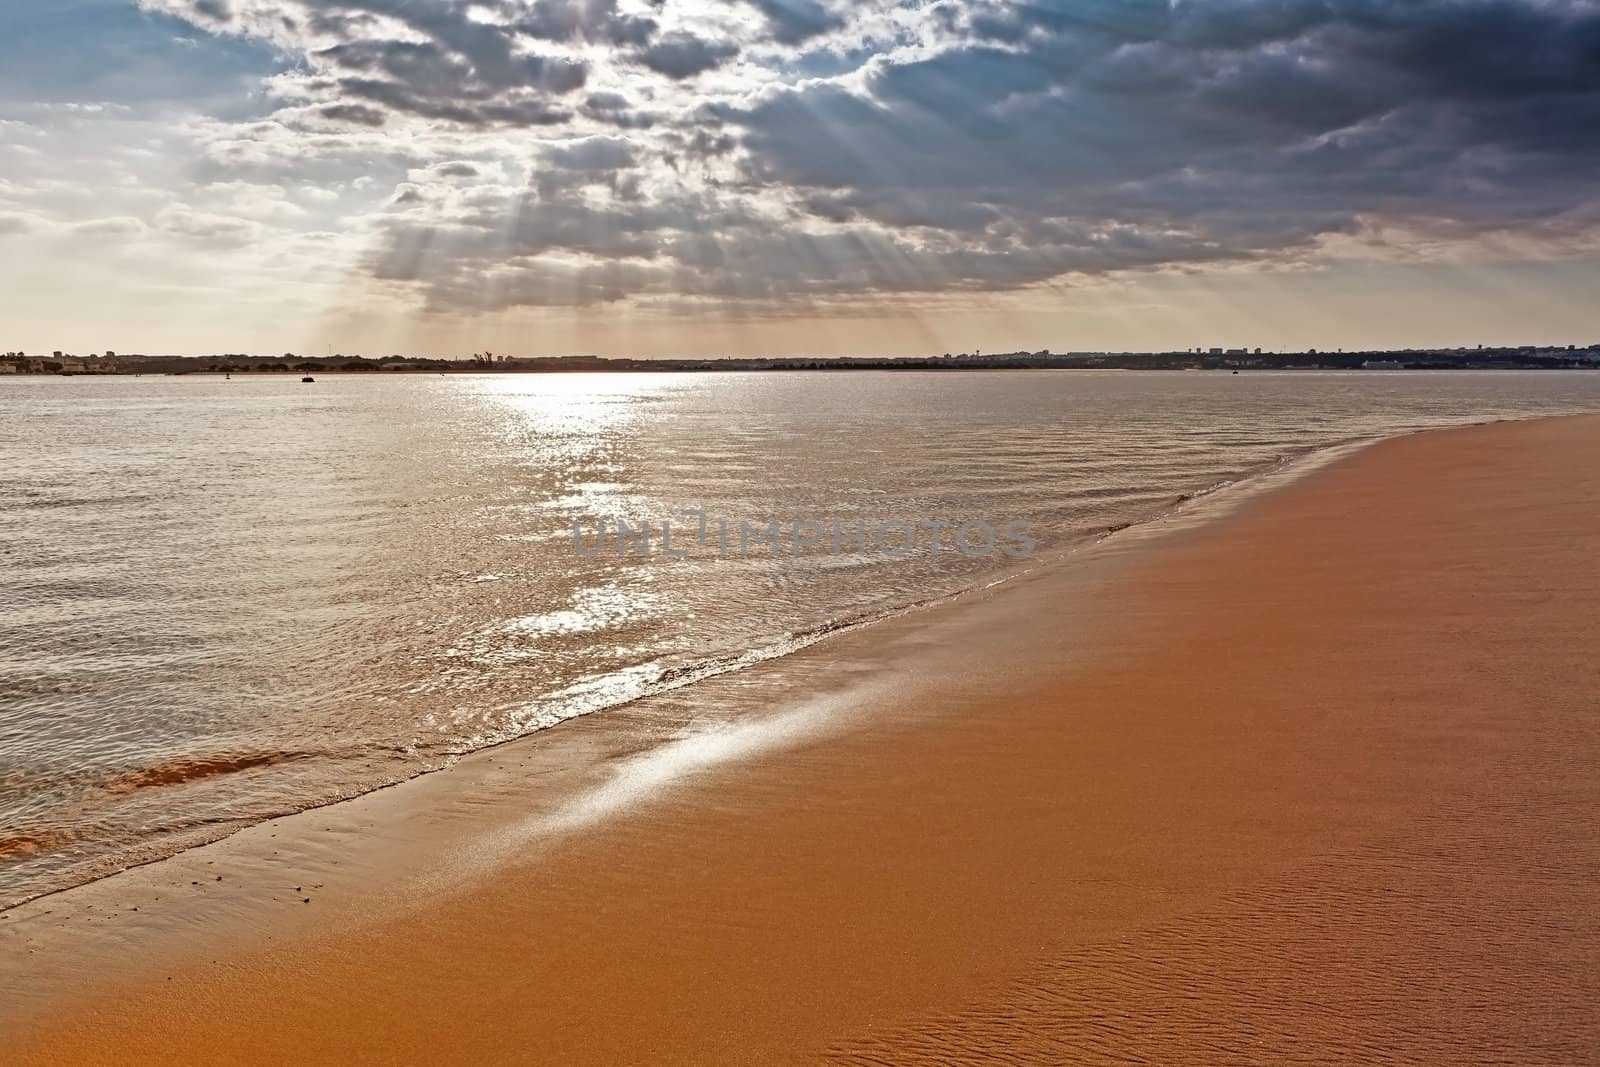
x=1315 y=781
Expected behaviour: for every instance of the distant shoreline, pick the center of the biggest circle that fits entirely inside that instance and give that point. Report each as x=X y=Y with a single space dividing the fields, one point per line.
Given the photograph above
x=1515 y=358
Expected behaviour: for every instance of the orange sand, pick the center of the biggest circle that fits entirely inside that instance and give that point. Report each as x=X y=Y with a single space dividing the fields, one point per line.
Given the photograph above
x=1316 y=782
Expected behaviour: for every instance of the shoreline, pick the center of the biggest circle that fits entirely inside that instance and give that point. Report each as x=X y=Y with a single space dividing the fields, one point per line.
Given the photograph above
x=1188 y=510
x=981 y=708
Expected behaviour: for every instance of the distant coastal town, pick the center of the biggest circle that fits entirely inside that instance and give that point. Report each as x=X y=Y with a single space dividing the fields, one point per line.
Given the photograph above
x=1527 y=357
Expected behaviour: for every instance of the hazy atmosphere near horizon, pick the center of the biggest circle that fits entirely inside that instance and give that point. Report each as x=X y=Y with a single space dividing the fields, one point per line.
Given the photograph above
x=747 y=177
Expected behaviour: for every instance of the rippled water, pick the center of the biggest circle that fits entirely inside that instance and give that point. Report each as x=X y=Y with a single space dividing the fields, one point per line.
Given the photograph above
x=225 y=600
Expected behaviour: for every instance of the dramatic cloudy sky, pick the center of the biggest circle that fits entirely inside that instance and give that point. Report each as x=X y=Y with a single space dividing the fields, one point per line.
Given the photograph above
x=662 y=177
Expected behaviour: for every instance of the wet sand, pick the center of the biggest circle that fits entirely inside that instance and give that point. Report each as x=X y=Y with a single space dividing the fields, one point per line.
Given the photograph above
x=1311 y=783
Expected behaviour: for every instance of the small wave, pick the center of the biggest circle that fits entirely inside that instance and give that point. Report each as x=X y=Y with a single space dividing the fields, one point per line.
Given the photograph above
x=191 y=769
x=25 y=688
x=1197 y=506
x=21 y=843
x=36 y=501
x=598 y=693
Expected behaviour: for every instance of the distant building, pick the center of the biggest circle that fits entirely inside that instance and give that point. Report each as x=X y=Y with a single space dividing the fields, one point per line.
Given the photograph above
x=1383 y=364
x=8 y=368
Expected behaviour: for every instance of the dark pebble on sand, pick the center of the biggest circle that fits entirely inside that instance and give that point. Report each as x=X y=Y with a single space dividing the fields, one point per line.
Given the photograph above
x=307 y=900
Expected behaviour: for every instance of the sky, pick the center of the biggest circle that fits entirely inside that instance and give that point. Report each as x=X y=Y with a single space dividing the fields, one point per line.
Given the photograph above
x=797 y=177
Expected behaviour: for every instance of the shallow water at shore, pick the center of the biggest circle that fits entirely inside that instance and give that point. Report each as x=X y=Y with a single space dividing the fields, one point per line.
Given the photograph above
x=226 y=600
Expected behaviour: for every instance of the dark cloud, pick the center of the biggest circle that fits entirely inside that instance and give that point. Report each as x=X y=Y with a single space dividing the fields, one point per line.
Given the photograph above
x=481 y=108
x=607 y=102
x=794 y=22
x=683 y=55
x=614 y=109
x=592 y=155
x=360 y=114
x=488 y=84
x=701 y=143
